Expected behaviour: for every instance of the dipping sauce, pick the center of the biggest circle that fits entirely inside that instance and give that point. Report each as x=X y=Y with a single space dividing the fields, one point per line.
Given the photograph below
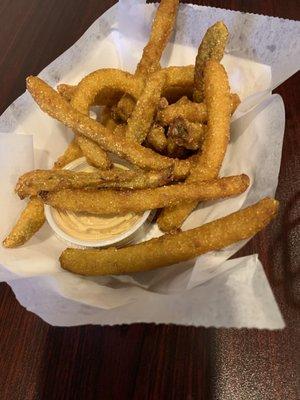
x=90 y=227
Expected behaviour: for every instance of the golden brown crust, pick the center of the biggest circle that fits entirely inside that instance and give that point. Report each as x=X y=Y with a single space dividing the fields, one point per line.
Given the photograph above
x=217 y=98
x=93 y=153
x=235 y=101
x=106 y=202
x=162 y=27
x=172 y=249
x=140 y=121
x=32 y=217
x=138 y=107
x=66 y=91
x=34 y=182
x=193 y=112
x=211 y=48
x=72 y=152
x=54 y=105
x=108 y=79
x=190 y=111
x=87 y=92
x=156 y=138
x=30 y=221
x=179 y=82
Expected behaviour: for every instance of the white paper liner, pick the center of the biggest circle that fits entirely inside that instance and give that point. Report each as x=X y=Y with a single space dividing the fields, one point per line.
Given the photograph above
x=222 y=301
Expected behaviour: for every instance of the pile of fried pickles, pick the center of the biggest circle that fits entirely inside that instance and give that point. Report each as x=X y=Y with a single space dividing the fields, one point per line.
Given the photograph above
x=173 y=126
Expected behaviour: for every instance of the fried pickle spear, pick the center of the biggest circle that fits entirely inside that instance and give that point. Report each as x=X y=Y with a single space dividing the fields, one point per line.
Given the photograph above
x=30 y=221
x=190 y=111
x=156 y=138
x=208 y=165
x=140 y=121
x=101 y=87
x=106 y=202
x=186 y=134
x=92 y=90
x=211 y=48
x=34 y=182
x=172 y=249
x=32 y=217
x=162 y=27
x=72 y=152
x=54 y=105
x=93 y=153
x=179 y=76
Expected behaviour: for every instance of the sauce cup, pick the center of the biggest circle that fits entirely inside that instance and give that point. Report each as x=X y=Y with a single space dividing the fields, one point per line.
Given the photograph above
x=85 y=230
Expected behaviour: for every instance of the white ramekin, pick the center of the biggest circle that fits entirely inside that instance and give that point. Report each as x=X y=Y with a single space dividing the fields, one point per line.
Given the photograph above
x=125 y=238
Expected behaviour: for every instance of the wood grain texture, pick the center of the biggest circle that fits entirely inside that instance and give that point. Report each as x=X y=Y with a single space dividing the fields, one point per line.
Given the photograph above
x=40 y=362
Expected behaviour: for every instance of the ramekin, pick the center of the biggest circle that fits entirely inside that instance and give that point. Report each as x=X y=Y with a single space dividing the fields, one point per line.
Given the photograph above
x=129 y=236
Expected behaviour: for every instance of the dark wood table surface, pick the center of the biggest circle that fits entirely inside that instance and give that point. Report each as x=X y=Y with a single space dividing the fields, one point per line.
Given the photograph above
x=141 y=361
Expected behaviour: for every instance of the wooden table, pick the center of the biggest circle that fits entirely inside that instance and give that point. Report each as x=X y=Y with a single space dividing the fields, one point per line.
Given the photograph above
x=41 y=362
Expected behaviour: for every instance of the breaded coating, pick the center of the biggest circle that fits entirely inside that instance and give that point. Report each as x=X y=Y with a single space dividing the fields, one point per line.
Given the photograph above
x=34 y=182
x=179 y=82
x=54 y=105
x=217 y=99
x=162 y=27
x=209 y=162
x=175 y=93
x=106 y=202
x=30 y=221
x=85 y=95
x=174 y=150
x=172 y=249
x=140 y=121
x=211 y=48
x=93 y=153
x=66 y=91
x=156 y=138
x=190 y=111
x=72 y=152
x=92 y=85
x=32 y=217
x=179 y=76
x=106 y=97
